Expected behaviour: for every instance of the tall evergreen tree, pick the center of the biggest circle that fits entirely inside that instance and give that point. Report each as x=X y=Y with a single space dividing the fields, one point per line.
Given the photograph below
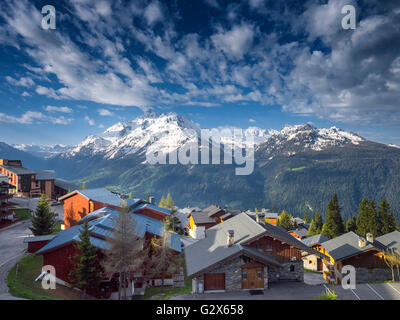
x=285 y=221
x=163 y=261
x=387 y=221
x=127 y=253
x=334 y=224
x=351 y=224
x=173 y=222
x=316 y=225
x=43 y=220
x=306 y=218
x=87 y=269
x=367 y=219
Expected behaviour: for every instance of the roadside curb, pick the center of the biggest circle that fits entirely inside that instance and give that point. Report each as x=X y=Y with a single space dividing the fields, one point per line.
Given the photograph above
x=12 y=225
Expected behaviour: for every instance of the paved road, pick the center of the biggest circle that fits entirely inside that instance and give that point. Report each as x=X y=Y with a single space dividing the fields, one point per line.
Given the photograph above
x=32 y=204
x=12 y=249
x=303 y=291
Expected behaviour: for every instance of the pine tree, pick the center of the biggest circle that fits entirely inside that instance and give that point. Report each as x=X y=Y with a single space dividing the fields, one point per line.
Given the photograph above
x=127 y=253
x=162 y=202
x=163 y=261
x=367 y=219
x=334 y=224
x=387 y=221
x=43 y=221
x=351 y=224
x=172 y=221
x=87 y=269
x=316 y=225
x=306 y=218
x=285 y=221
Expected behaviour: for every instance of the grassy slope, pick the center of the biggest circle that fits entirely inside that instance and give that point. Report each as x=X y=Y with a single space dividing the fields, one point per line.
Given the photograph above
x=23 y=285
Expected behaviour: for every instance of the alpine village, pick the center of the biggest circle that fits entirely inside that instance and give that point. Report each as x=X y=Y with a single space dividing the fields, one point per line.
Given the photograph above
x=102 y=244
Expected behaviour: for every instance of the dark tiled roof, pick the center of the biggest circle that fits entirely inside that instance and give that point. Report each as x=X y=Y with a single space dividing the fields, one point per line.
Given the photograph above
x=45 y=175
x=390 y=240
x=300 y=231
x=64 y=184
x=18 y=170
x=201 y=217
x=213 y=248
x=39 y=238
x=317 y=239
x=102 y=226
x=346 y=246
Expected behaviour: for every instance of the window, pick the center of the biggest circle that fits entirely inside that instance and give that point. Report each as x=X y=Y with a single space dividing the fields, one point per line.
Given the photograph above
x=291 y=268
x=244 y=275
x=259 y=275
x=268 y=247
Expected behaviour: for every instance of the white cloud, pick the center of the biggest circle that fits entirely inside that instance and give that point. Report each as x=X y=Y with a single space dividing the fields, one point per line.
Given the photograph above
x=235 y=42
x=251 y=120
x=90 y=121
x=34 y=117
x=105 y=112
x=23 y=81
x=153 y=13
x=58 y=109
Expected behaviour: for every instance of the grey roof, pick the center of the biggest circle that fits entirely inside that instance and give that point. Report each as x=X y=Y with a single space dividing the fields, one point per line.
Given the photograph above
x=45 y=175
x=102 y=226
x=390 y=240
x=271 y=215
x=226 y=215
x=346 y=246
x=17 y=169
x=39 y=238
x=201 y=217
x=64 y=184
x=317 y=239
x=300 y=231
x=211 y=210
x=213 y=248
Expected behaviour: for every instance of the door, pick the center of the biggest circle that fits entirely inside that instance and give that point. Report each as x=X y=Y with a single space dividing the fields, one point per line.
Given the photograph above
x=214 y=281
x=319 y=264
x=253 y=278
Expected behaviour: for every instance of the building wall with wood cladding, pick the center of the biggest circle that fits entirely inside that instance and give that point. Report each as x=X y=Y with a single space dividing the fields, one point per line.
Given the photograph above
x=281 y=252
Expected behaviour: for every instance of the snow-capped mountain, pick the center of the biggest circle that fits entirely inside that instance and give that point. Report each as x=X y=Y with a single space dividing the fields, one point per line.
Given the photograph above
x=43 y=151
x=153 y=132
x=149 y=133
x=297 y=138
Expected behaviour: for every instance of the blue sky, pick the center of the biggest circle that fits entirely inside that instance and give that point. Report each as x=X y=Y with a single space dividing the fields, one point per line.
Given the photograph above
x=238 y=63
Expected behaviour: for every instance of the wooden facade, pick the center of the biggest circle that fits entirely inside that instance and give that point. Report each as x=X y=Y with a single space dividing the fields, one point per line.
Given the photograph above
x=282 y=252
x=78 y=206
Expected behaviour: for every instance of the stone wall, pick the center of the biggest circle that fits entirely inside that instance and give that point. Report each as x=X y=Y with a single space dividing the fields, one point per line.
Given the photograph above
x=291 y=271
x=372 y=275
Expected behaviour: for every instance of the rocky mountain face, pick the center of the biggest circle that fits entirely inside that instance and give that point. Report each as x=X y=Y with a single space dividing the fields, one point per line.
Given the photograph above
x=297 y=168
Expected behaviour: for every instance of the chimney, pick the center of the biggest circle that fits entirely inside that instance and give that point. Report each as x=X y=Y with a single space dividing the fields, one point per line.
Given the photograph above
x=260 y=218
x=362 y=242
x=230 y=238
x=370 y=237
x=152 y=200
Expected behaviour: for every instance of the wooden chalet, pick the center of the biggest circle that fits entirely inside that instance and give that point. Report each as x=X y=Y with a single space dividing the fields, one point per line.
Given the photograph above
x=312 y=261
x=206 y=218
x=60 y=249
x=245 y=253
x=366 y=255
x=79 y=203
x=6 y=214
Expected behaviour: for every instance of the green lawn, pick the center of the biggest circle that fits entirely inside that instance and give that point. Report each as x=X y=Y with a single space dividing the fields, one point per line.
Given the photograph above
x=22 y=213
x=22 y=284
x=297 y=169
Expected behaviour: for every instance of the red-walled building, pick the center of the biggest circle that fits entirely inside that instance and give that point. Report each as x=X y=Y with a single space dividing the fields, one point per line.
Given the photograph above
x=80 y=203
x=59 y=251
